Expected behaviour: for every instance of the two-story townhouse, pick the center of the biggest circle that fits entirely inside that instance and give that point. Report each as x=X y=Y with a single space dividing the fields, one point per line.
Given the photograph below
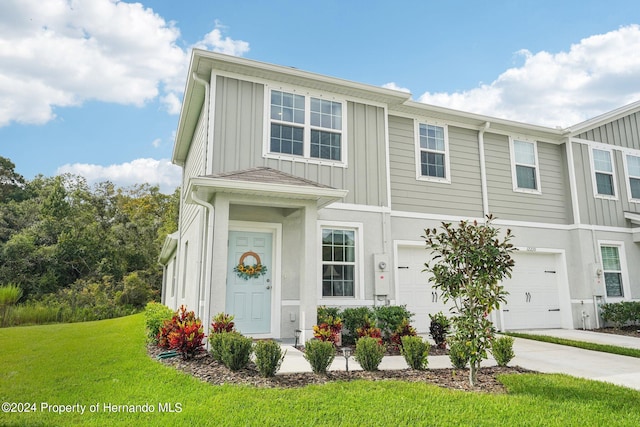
x=326 y=186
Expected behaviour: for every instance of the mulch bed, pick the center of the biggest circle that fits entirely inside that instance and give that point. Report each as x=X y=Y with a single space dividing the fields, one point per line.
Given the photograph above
x=206 y=369
x=630 y=331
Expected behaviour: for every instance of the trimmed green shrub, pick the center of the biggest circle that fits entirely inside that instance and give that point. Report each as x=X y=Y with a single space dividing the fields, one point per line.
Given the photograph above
x=415 y=352
x=353 y=319
x=389 y=318
x=458 y=354
x=236 y=350
x=155 y=315
x=621 y=313
x=369 y=353
x=439 y=329
x=216 y=345
x=319 y=354
x=269 y=357
x=502 y=350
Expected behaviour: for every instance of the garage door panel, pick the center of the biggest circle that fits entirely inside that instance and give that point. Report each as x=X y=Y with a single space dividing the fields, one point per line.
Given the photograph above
x=533 y=300
x=414 y=289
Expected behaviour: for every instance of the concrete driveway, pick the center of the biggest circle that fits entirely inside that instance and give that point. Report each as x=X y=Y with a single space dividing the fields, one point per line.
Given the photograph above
x=595 y=365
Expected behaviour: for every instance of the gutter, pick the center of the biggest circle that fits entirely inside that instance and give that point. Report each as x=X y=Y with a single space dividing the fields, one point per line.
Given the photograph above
x=483 y=170
x=206 y=268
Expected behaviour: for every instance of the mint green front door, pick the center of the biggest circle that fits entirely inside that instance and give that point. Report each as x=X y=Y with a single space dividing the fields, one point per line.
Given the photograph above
x=249 y=288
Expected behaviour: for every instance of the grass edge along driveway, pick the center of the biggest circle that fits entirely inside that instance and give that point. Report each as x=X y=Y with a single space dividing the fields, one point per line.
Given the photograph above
x=103 y=367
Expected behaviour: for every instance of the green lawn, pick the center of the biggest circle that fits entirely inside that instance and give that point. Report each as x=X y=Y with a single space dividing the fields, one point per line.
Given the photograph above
x=105 y=363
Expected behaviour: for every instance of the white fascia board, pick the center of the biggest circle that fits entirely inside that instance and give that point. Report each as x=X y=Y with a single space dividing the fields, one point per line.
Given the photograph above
x=169 y=246
x=602 y=119
x=217 y=185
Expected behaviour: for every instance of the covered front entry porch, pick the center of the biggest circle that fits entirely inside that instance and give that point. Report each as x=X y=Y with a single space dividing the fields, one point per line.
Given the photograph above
x=261 y=249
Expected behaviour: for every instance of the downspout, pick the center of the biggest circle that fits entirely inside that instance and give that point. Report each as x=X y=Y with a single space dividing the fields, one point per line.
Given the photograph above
x=483 y=170
x=207 y=267
x=207 y=89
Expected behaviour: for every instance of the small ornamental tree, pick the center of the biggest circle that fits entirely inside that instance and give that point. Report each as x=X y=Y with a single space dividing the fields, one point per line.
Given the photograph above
x=469 y=262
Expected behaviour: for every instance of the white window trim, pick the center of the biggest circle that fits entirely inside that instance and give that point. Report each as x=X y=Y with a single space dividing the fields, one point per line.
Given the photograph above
x=514 y=175
x=628 y=177
x=626 y=286
x=613 y=174
x=418 y=150
x=358 y=286
x=305 y=158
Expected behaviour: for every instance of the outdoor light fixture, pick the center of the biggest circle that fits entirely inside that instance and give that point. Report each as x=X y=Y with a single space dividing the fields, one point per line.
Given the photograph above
x=297 y=333
x=346 y=352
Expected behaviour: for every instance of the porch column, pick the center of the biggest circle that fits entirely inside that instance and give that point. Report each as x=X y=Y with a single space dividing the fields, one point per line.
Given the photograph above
x=218 y=290
x=309 y=271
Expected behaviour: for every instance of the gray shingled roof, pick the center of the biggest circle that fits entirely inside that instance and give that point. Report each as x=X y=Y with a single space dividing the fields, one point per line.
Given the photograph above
x=267 y=175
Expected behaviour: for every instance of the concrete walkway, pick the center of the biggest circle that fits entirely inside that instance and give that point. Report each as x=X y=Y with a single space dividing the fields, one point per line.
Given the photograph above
x=534 y=355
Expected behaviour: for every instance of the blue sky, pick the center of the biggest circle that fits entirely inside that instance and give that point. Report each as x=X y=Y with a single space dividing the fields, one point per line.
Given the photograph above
x=93 y=87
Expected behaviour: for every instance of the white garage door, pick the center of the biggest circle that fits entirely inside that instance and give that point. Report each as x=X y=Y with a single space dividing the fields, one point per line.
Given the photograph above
x=533 y=300
x=414 y=289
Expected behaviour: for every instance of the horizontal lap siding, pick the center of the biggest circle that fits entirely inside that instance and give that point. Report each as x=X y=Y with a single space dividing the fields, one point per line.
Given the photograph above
x=239 y=137
x=596 y=210
x=462 y=197
x=552 y=206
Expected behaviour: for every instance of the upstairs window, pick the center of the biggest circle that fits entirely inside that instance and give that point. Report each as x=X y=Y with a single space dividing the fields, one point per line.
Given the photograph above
x=633 y=169
x=603 y=169
x=612 y=270
x=338 y=262
x=305 y=126
x=525 y=166
x=432 y=159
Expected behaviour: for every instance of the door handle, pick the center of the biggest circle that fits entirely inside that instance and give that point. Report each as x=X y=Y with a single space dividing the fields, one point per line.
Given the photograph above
x=269 y=287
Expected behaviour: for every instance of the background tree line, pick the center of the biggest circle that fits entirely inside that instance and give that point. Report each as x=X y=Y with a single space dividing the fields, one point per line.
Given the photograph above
x=85 y=252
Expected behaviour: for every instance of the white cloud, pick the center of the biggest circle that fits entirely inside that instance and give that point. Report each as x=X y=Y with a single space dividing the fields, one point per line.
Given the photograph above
x=155 y=172
x=596 y=75
x=60 y=53
x=156 y=142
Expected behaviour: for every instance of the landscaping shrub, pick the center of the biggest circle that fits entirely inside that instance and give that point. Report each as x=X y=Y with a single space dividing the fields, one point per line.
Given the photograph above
x=216 y=345
x=458 y=354
x=502 y=350
x=187 y=334
x=155 y=315
x=269 y=357
x=415 y=352
x=319 y=354
x=329 y=330
x=439 y=329
x=236 y=350
x=369 y=353
x=222 y=323
x=353 y=319
x=404 y=330
x=389 y=318
x=621 y=313
x=370 y=331
x=325 y=312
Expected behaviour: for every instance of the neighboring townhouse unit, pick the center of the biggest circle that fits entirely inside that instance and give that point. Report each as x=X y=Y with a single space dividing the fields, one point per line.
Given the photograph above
x=302 y=190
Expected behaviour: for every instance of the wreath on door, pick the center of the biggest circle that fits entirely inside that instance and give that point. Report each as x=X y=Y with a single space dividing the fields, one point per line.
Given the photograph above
x=247 y=272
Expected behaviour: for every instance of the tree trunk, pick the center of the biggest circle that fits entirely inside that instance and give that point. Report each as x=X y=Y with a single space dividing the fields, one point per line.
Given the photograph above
x=473 y=373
